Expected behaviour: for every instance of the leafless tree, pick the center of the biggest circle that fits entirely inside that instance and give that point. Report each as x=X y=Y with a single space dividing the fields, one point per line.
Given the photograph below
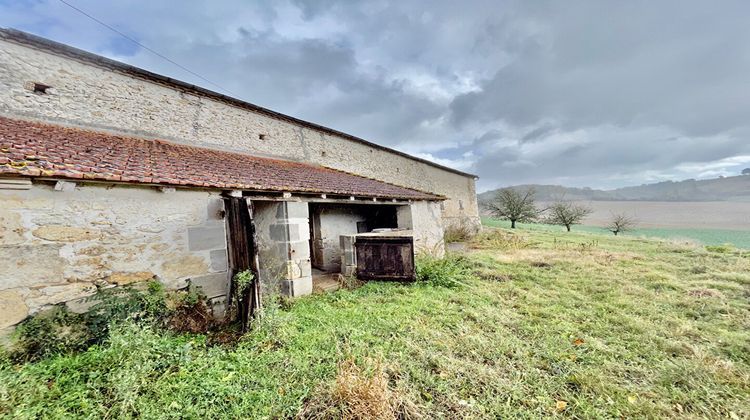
x=566 y=213
x=516 y=206
x=621 y=222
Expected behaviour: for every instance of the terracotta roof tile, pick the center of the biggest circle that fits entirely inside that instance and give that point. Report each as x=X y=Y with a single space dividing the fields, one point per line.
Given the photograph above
x=38 y=149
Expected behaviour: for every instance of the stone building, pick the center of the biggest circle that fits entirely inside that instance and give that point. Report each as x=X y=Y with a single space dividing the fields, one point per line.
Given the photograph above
x=111 y=175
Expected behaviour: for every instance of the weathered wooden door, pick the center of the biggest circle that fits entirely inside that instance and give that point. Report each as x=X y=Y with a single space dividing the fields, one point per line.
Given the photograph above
x=242 y=255
x=385 y=258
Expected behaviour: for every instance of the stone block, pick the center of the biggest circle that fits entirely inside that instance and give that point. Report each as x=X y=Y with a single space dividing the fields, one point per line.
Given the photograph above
x=123 y=278
x=13 y=308
x=279 y=232
x=299 y=250
x=298 y=287
x=218 y=307
x=61 y=233
x=292 y=270
x=11 y=227
x=81 y=305
x=53 y=295
x=30 y=265
x=297 y=210
x=305 y=268
x=187 y=265
x=219 y=260
x=212 y=285
x=299 y=232
x=204 y=238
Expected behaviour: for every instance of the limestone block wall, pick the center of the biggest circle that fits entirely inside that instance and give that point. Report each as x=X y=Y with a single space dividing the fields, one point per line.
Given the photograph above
x=283 y=235
x=59 y=246
x=423 y=217
x=94 y=95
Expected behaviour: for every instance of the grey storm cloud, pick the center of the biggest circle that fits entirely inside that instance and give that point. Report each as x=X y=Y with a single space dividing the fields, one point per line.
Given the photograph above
x=586 y=93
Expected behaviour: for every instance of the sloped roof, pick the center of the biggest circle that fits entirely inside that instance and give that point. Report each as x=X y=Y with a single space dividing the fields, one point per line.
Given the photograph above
x=44 y=150
x=59 y=48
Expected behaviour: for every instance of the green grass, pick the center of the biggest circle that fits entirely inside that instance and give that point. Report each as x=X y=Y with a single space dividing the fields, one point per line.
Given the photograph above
x=553 y=323
x=738 y=238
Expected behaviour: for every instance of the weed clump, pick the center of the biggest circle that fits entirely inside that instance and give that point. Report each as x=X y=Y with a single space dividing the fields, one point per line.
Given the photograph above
x=499 y=239
x=61 y=331
x=359 y=393
x=460 y=231
x=450 y=271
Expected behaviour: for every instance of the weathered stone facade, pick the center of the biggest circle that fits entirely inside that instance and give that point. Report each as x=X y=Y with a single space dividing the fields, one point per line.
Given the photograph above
x=94 y=95
x=61 y=241
x=58 y=246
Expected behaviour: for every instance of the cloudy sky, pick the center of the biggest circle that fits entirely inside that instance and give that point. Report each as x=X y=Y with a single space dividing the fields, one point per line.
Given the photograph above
x=582 y=93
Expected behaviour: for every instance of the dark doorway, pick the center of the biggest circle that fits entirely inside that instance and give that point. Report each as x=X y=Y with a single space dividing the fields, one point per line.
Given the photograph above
x=328 y=221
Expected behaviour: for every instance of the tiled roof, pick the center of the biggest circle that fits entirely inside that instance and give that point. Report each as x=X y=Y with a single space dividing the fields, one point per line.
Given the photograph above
x=43 y=150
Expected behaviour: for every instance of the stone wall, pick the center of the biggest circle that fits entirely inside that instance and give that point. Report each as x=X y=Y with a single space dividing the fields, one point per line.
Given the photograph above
x=59 y=246
x=423 y=217
x=88 y=95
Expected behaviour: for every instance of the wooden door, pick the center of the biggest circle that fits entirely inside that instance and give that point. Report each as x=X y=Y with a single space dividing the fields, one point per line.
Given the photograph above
x=242 y=254
x=385 y=258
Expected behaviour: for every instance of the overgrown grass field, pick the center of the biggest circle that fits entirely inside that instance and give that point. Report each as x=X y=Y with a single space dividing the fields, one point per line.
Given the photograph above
x=738 y=238
x=538 y=323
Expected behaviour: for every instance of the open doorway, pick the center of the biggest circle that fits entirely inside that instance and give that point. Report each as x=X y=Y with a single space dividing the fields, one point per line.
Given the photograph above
x=329 y=221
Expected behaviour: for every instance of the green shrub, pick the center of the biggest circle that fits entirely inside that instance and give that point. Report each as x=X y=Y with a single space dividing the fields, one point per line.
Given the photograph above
x=450 y=271
x=55 y=331
x=60 y=331
x=721 y=249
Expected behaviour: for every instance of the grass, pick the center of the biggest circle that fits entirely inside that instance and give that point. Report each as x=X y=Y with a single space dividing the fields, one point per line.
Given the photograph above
x=738 y=238
x=549 y=324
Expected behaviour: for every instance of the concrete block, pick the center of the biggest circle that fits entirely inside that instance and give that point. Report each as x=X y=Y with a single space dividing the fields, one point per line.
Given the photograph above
x=219 y=260
x=297 y=287
x=297 y=210
x=292 y=270
x=212 y=285
x=203 y=238
x=305 y=268
x=299 y=231
x=279 y=232
x=299 y=250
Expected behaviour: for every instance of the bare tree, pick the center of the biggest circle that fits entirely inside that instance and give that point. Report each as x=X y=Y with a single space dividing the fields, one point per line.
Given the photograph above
x=511 y=204
x=567 y=214
x=621 y=222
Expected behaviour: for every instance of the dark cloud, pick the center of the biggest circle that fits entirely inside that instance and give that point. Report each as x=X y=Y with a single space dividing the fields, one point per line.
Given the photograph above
x=598 y=93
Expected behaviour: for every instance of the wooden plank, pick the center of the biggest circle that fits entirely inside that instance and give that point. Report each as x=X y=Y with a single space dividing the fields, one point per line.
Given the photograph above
x=385 y=258
x=242 y=254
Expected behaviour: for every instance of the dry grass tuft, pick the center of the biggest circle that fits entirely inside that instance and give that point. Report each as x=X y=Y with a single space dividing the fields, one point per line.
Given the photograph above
x=490 y=238
x=700 y=293
x=359 y=393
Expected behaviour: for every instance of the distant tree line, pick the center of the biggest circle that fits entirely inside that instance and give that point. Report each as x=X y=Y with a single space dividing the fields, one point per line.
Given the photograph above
x=519 y=206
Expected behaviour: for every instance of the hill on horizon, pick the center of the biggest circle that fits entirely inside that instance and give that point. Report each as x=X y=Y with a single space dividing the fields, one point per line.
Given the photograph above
x=734 y=188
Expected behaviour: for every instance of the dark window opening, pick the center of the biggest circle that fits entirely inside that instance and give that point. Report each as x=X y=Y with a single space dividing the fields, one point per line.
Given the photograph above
x=262 y=136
